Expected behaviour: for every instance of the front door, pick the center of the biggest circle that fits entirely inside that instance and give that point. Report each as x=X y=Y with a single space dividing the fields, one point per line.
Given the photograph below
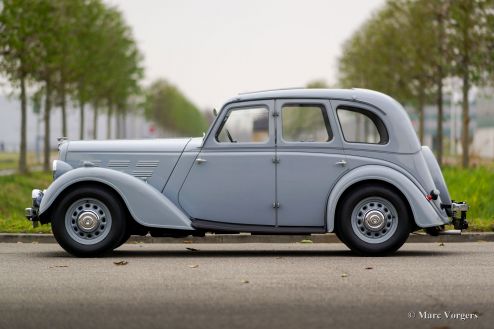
x=233 y=177
x=310 y=160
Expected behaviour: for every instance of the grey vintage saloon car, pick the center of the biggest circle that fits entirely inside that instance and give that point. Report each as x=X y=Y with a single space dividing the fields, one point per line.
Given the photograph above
x=274 y=162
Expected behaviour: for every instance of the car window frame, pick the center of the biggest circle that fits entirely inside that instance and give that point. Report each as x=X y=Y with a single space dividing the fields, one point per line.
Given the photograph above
x=380 y=114
x=210 y=141
x=334 y=142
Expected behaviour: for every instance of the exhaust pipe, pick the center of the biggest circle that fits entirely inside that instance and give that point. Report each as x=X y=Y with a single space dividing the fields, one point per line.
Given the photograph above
x=450 y=232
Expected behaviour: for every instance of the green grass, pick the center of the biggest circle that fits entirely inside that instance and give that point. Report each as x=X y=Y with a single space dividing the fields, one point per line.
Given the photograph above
x=476 y=186
x=15 y=195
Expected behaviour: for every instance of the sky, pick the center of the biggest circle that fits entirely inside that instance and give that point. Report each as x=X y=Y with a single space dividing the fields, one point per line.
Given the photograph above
x=212 y=50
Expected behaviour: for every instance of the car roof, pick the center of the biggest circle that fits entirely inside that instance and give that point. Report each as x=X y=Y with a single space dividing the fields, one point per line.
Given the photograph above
x=365 y=95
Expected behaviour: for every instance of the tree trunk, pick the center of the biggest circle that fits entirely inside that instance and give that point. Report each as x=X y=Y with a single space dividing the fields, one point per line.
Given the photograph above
x=81 y=123
x=124 y=124
x=439 y=136
x=465 y=136
x=95 y=121
x=440 y=76
x=118 y=124
x=108 y=121
x=64 y=113
x=420 y=110
x=46 y=118
x=22 y=149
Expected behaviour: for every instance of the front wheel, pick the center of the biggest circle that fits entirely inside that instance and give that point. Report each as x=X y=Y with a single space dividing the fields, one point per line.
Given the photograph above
x=89 y=221
x=373 y=220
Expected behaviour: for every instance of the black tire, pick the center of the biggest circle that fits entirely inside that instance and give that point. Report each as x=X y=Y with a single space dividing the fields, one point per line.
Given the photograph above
x=124 y=239
x=360 y=239
x=115 y=233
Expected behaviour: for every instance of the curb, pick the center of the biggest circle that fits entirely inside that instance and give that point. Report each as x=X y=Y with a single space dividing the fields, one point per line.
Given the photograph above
x=247 y=238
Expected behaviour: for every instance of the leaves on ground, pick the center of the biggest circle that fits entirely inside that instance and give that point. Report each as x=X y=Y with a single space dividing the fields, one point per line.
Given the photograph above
x=369 y=268
x=245 y=281
x=122 y=262
x=193 y=266
x=306 y=241
x=59 y=266
x=187 y=241
x=192 y=249
x=441 y=244
x=344 y=275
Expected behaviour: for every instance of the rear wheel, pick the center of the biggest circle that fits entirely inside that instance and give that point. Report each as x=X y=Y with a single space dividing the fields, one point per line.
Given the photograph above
x=373 y=220
x=89 y=221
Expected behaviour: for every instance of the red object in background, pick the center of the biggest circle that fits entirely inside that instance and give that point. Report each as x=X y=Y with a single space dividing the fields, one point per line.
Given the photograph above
x=152 y=129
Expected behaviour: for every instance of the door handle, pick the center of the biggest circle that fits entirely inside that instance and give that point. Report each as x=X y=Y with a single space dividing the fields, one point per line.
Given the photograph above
x=199 y=160
x=341 y=163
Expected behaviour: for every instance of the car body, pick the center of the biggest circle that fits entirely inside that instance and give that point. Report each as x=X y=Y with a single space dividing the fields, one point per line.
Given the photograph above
x=279 y=162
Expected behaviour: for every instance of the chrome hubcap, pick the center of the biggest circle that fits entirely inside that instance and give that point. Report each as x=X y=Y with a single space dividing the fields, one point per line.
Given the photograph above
x=374 y=220
x=88 y=221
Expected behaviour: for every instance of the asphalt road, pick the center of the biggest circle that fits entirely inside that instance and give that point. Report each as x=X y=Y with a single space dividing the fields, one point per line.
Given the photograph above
x=247 y=286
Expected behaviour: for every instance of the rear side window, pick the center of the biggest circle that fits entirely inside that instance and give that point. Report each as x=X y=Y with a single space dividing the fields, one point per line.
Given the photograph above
x=361 y=126
x=305 y=123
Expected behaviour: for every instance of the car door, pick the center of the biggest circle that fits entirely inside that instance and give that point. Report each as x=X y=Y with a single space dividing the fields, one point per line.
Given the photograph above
x=233 y=178
x=310 y=160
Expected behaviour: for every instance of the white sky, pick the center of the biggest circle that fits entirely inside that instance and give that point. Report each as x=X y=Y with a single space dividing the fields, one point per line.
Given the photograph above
x=214 y=49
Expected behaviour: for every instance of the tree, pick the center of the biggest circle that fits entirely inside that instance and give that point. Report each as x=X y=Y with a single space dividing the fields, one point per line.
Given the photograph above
x=18 y=51
x=171 y=110
x=469 y=37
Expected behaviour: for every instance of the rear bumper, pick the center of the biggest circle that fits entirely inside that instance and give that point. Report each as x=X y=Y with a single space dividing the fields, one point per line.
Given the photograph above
x=459 y=215
x=32 y=213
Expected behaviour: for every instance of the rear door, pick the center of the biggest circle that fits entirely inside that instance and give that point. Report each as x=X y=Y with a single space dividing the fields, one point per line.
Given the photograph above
x=310 y=160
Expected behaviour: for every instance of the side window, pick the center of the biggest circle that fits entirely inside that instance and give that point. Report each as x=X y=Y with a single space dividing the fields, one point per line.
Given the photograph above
x=361 y=126
x=305 y=123
x=245 y=125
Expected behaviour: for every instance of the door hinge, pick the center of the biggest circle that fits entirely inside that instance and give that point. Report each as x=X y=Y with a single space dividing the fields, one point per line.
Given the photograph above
x=276 y=159
x=276 y=114
x=276 y=205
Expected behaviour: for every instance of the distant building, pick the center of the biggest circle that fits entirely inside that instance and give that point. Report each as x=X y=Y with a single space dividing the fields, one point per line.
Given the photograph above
x=481 y=123
x=135 y=126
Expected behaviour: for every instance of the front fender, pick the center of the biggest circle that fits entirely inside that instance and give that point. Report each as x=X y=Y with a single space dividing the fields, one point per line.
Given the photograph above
x=425 y=213
x=146 y=204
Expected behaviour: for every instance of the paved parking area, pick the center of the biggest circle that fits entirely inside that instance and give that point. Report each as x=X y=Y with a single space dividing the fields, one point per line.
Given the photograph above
x=248 y=286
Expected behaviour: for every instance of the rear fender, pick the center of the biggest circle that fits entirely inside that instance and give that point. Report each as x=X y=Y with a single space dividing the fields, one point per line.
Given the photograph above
x=146 y=204
x=425 y=213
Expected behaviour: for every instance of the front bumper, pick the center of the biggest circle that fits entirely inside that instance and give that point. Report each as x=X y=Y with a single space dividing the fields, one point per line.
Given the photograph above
x=32 y=213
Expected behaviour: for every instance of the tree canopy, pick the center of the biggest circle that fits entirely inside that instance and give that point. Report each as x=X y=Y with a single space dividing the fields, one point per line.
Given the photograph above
x=171 y=110
x=408 y=47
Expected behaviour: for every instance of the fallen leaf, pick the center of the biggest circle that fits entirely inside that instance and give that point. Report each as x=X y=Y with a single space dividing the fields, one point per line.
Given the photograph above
x=306 y=241
x=122 y=262
x=35 y=242
x=193 y=266
x=441 y=244
x=59 y=266
x=187 y=241
x=344 y=275
x=192 y=249
x=369 y=268
x=245 y=281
